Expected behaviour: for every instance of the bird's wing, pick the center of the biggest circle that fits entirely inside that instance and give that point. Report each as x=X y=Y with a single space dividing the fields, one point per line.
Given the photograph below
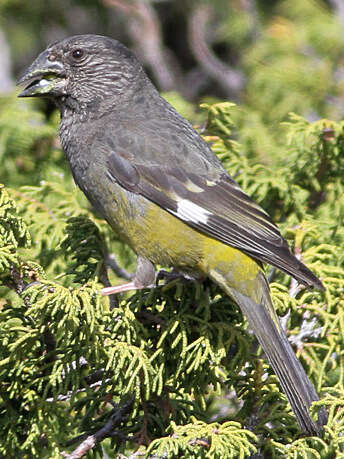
x=209 y=200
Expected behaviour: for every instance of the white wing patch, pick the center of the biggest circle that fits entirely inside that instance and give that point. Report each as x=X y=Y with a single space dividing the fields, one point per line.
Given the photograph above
x=187 y=210
x=43 y=82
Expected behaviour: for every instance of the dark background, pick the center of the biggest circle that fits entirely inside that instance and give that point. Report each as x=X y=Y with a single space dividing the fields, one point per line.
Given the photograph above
x=248 y=51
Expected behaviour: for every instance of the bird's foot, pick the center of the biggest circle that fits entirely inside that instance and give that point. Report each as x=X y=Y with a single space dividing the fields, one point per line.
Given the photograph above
x=170 y=276
x=124 y=288
x=144 y=278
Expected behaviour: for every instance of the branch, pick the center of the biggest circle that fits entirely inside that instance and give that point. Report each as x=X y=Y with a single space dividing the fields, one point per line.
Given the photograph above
x=338 y=7
x=6 y=82
x=250 y=6
x=195 y=81
x=71 y=393
x=308 y=329
x=145 y=31
x=119 y=415
x=231 y=80
x=104 y=279
x=118 y=270
x=295 y=287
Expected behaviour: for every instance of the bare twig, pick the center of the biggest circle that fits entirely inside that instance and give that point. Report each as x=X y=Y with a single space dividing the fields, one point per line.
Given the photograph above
x=104 y=279
x=118 y=270
x=250 y=6
x=338 y=7
x=231 y=80
x=145 y=31
x=6 y=82
x=71 y=393
x=119 y=415
x=295 y=287
x=271 y=274
x=284 y=320
x=309 y=329
x=195 y=81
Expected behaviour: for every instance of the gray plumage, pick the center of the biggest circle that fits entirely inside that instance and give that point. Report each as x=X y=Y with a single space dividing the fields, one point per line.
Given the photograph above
x=130 y=152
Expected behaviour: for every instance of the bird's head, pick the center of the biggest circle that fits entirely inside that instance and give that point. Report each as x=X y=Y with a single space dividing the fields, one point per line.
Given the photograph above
x=85 y=68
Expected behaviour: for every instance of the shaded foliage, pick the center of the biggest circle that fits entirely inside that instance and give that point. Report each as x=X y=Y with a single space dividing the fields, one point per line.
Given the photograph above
x=181 y=352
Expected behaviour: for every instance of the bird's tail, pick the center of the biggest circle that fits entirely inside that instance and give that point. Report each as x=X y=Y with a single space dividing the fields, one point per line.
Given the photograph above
x=264 y=322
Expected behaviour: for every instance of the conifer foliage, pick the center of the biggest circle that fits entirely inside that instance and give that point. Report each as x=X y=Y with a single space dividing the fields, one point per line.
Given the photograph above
x=172 y=371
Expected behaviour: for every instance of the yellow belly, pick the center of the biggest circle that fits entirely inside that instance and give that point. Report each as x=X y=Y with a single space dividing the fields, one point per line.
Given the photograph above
x=166 y=240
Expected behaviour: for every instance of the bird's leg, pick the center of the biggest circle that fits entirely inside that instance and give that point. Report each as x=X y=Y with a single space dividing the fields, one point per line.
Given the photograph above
x=144 y=278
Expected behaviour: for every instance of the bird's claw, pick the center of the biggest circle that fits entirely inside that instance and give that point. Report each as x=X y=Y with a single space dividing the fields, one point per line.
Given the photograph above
x=170 y=276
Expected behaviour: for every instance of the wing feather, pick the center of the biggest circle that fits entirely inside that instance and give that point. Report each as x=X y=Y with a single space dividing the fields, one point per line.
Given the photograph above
x=216 y=207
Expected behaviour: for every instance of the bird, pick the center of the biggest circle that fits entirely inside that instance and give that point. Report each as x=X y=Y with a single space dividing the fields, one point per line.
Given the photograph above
x=158 y=184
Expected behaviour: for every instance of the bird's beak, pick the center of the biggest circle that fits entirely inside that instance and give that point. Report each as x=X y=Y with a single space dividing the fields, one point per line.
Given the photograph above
x=43 y=78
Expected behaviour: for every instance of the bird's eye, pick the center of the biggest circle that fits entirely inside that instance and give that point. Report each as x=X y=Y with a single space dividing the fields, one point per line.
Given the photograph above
x=78 y=54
